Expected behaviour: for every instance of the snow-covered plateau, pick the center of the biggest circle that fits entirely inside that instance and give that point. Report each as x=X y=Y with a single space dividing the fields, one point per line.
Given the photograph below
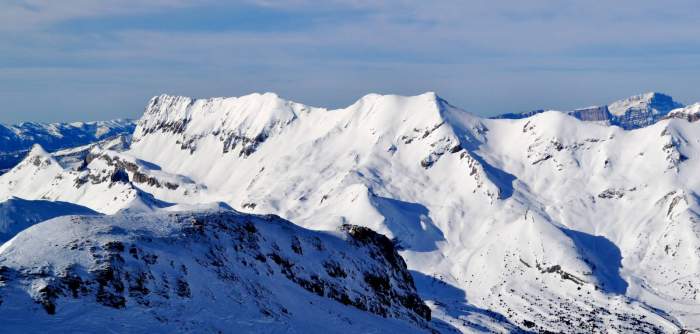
x=258 y=214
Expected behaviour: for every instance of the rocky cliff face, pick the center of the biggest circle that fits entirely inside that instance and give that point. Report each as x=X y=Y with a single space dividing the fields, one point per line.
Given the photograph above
x=593 y=114
x=166 y=269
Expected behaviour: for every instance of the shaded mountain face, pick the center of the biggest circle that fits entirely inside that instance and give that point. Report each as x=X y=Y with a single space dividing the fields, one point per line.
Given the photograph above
x=17 y=140
x=545 y=223
x=631 y=113
x=159 y=271
x=642 y=110
x=17 y=214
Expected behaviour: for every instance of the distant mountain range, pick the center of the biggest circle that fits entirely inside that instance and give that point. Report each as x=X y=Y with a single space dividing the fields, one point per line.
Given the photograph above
x=17 y=140
x=415 y=215
x=631 y=113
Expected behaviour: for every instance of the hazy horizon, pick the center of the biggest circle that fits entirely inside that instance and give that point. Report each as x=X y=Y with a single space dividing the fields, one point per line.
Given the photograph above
x=81 y=60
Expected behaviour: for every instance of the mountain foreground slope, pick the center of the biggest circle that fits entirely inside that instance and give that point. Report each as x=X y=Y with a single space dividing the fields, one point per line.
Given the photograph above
x=203 y=271
x=542 y=223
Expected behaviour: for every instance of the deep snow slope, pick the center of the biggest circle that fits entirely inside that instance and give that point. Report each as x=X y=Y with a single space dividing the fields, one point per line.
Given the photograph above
x=204 y=271
x=544 y=223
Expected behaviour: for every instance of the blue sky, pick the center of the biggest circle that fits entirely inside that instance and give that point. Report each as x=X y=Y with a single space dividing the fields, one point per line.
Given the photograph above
x=88 y=60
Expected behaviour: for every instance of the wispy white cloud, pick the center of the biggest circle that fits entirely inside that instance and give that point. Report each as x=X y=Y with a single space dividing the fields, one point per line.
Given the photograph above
x=17 y=15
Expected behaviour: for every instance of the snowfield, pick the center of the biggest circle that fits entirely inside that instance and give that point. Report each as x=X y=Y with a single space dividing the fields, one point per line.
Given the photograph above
x=553 y=221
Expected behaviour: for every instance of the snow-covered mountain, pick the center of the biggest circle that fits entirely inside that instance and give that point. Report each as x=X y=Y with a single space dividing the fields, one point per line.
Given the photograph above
x=17 y=140
x=204 y=271
x=101 y=188
x=631 y=113
x=543 y=223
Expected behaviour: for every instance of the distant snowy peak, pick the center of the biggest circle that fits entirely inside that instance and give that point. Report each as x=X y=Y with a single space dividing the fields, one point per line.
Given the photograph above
x=56 y=136
x=16 y=140
x=74 y=158
x=649 y=103
x=631 y=113
x=642 y=110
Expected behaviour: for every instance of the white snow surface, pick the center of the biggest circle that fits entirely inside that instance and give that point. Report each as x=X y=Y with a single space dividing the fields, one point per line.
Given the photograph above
x=545 y=223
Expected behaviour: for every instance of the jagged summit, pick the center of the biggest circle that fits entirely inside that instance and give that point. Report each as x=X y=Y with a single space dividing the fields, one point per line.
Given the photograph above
x=39 y=158
x=38 y=151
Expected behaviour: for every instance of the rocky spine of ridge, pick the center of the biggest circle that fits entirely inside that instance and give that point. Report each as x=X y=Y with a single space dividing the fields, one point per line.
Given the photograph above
x=240 y=124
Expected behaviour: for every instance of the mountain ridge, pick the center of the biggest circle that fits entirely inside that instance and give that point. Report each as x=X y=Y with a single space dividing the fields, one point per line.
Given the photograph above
x=545 y=223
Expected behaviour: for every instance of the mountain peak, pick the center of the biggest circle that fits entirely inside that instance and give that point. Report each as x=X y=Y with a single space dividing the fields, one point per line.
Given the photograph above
x=38 y=151
x=654 y=103
x=39 y=157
